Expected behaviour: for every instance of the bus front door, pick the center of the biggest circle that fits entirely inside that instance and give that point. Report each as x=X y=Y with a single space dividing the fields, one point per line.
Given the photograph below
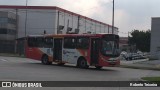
x=57 y=49
x=94 y=51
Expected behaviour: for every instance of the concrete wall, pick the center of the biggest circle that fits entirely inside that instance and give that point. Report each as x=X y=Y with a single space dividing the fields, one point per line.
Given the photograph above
x=155 y=37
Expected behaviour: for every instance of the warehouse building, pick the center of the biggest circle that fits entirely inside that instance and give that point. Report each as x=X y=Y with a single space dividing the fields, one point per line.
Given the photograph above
x=8 y=30
x=35 y=20
x=155 y=37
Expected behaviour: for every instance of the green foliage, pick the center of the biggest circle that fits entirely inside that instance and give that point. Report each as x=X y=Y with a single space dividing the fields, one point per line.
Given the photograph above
x=151 y=78
x=141 y=39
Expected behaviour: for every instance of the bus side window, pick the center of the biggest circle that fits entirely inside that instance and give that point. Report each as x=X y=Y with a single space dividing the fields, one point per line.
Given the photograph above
x=69 y=43
x=82 y=43
x=36 y=42
x=40 y=41
x=48 y=42
x=32 y=42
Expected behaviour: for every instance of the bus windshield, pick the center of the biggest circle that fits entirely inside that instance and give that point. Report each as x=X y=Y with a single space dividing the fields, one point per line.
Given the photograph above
x=109 y=47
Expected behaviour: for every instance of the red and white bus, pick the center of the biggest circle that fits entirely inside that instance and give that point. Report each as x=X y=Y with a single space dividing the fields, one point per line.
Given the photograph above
x=84 y=50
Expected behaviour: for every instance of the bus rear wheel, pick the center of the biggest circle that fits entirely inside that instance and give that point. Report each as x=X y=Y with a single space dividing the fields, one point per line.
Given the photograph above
x=45 y=60
x=82 y=63
x=98 y=67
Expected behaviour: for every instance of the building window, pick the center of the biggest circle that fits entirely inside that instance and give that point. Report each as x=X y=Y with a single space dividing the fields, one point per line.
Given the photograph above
x=7 y=20
x=3 y=31
x=11 y=21
x=3 y=20
x=7 y=31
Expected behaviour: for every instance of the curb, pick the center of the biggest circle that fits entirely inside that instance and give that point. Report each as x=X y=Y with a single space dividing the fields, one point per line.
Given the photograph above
x=11 y=55
x=135 y=67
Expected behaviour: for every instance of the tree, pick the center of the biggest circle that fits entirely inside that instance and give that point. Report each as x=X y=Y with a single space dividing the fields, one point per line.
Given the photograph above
x=141 y=39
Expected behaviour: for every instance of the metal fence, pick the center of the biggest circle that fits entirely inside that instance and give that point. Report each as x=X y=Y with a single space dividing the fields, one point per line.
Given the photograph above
x=20 y=46
x=7 y=46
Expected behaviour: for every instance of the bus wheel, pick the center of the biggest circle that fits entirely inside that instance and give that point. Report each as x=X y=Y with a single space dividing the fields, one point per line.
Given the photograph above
x=45 y=60
x=98 y=67
x=82 y=63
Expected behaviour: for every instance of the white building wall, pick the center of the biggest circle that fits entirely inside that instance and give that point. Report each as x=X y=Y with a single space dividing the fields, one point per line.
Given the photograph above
x=106 y=29
x=75 y=22
x=88 y=26
x=85 y=25
x=155 y=35
x=39 y=20
x=82 y=26
x=110 y=29
x=98 y=27
x=92 y=27
x=36 y=21
x=102 y=28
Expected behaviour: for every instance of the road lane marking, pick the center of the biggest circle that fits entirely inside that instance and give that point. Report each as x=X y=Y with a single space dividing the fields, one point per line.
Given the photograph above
x=3 y=60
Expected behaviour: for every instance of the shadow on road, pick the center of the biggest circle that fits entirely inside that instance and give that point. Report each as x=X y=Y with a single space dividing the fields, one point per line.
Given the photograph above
x=68 y=66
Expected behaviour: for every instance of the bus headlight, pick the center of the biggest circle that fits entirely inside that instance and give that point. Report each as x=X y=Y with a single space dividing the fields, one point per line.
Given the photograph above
x=113 y=59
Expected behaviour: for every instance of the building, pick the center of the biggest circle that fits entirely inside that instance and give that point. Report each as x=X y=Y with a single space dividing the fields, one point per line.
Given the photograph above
x=8 y=30
x=7 y=25
x=155 y=37
x=123 y=43
x=33 y=20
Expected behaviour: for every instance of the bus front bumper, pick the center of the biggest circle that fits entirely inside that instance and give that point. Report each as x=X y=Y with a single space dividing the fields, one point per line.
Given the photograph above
x=114 y=61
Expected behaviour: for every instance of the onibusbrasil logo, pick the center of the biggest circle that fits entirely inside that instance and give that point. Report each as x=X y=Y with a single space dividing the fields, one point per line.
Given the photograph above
x=20 y=84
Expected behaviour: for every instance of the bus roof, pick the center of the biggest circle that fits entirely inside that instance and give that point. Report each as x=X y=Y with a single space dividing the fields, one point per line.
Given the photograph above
x=35 y=35
x=70 y=35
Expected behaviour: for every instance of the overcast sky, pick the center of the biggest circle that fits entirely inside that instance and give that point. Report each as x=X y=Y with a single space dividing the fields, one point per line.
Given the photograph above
x=129 y=14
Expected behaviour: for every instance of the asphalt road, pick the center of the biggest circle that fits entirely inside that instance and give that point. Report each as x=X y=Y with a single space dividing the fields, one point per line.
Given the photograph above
x=14 y=68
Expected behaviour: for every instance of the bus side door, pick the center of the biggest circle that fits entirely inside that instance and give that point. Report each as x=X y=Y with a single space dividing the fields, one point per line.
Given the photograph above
x=69 y=51
x=94 y=51
x=57 y=49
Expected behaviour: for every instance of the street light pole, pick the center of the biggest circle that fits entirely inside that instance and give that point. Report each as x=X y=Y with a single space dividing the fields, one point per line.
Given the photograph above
x=25 y=28
x=113 y=19
x=26 y=19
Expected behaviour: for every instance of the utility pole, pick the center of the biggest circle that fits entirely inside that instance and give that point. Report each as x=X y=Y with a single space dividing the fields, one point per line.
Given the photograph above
x=128 y=37
x=25 y=28
x=113 y=19
x=26 y=19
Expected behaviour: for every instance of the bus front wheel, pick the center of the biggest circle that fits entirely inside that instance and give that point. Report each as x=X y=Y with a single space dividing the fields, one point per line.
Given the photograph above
x=45 y=60
x=82 y=63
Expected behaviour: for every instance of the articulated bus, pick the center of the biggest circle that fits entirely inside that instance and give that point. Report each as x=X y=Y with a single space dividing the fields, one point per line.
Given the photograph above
x=83 y=50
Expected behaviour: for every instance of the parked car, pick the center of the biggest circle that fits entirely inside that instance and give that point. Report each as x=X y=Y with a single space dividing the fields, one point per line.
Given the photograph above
x=132 y=56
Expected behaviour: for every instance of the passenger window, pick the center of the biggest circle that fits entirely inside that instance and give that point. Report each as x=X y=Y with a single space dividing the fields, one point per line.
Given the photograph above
x=83 y=43
x=69 y=42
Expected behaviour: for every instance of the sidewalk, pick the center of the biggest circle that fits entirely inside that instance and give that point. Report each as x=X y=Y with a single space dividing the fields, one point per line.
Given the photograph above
x=142 y=64
x=11 y=55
